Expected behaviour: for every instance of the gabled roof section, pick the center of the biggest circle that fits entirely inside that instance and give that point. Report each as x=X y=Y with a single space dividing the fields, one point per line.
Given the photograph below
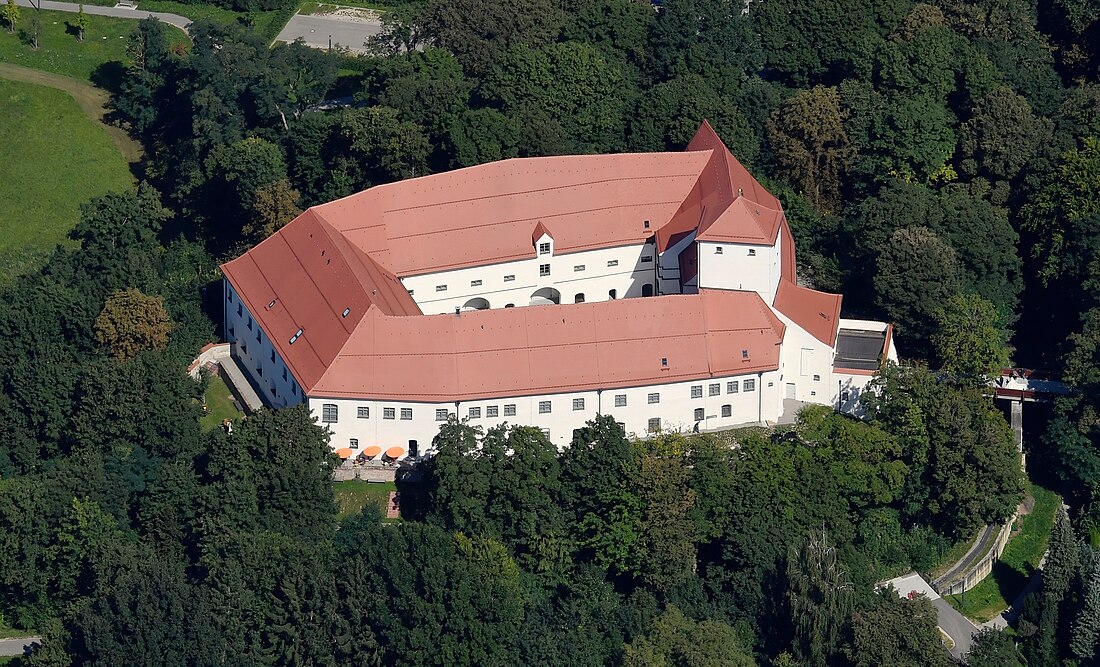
x=555 y=349
x=816 y=312
x=306 y=276
x=485 y=214
x=539 y=232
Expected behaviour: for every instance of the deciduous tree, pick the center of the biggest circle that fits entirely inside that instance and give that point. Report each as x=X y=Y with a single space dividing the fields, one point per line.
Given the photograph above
x=970 y=341
x=811 y=148
x=131 y=322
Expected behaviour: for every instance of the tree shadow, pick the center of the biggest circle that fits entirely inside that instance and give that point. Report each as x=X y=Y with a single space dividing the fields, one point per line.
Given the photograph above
x=71 y=29
x=109 y=76
x=1010 y=581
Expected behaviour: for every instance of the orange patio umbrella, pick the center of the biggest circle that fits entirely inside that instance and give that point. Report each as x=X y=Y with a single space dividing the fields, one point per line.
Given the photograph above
x=394 y=452
x=343 y=452
x=372 y=451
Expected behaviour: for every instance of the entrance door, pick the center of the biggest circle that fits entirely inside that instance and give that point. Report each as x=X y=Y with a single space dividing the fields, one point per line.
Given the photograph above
x=414 y=450
x=790 y=390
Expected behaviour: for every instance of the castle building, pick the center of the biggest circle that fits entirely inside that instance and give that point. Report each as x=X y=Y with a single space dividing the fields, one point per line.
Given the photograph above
x=659 y=288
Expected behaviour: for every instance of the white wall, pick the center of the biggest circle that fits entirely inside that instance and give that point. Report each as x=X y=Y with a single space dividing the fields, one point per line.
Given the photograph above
x=676 y=409
x=735 y=269
x=595 y=281
x=802 y=359
x=252 y=347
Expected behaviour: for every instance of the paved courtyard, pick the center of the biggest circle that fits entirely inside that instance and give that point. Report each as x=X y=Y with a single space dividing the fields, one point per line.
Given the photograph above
x=344 y=27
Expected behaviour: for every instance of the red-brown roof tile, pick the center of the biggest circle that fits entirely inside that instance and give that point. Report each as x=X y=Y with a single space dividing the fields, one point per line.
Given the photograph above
x=816 y=312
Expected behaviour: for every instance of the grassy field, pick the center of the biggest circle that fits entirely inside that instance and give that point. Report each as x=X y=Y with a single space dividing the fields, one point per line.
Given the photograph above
x=352 y=496
x=55 y=159
x=1019 y=560
x=267 y=23
x=61 y=52
x=220 y=401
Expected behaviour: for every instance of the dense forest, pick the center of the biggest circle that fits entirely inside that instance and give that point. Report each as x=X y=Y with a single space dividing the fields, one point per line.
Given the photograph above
x=939 y=164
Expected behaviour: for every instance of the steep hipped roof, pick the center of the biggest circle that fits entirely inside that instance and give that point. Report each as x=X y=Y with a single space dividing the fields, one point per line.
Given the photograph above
x=727 y=204
x=540 y=350
x=304 y=277
x=485 y=214
x=816 y=312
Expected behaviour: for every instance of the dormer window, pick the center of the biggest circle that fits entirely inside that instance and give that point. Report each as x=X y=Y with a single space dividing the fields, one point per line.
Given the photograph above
x=544 y=248
x=296 y=336
x=744 y=354
x=347 y=311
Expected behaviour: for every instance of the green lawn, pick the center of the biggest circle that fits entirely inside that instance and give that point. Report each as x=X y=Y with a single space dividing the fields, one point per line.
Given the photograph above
x=1019 y=560
x=220 y=401
x=55 y=159
x=61 y=52
x=353 y=495
x=267 y=23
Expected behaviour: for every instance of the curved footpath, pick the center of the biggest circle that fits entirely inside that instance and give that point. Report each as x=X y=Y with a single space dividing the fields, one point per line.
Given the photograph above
x=964 y=565
x=180 y=22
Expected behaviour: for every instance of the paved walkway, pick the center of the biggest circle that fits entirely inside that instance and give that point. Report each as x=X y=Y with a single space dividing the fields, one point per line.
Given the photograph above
x=19 y=646
x=958 y=627
x=180 y=22
x=240 y=386
x=962 y=567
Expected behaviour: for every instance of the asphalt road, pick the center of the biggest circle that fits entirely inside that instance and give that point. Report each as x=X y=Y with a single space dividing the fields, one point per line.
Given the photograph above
x=957 y=626
x=316 y=31
x=180 y=22
x=9 y=647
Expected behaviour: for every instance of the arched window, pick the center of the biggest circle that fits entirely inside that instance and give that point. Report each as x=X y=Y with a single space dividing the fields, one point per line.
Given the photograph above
x=579 y=298
x=509 y=305
x=476 y=304
x=647 y=290
x=545 y=296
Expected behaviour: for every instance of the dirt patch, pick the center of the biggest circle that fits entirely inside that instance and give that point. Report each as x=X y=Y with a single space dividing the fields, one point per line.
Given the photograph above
x=92 y=101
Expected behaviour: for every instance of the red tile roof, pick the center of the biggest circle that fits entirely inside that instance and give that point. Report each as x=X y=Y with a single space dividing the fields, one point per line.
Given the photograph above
x=816 y=312
x=346 y=256
x=485 y=214
x=555 y=349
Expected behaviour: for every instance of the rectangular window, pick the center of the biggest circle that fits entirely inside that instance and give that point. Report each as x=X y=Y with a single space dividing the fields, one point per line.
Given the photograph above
x=330 y=414
x=250 y=323
x=347 y=311
x=232 y=332
x=240 y=310
x=509 y=409
x=475 y=283
x=284 y=374
x=612 y=262
x=817 y=378
x=410 y=292
x=620 y=400
x=698 y=414
x=732 y=387
x=578 y=403
x=653 y=398
x=750 y=385
x=509 y=278
x=273 y=356
x=441 y=414
x=492 y=411
x=441 y=288
x=544 y=269
x=294 y=388
x=406 y=413
x=258 y=338
x=647 y=258
x=544 y=407
x=475 y=413
x=389 y=413
x=696 y=391
x=260 y=371
x=654 y=424
x=727 y=410
x=715 y=389
x=752 y=252
x=544 y=248
x=244 y=349
x=578 y=267
x=362 y=412
x=718 y=250
x=546 y=432
x=229 y=295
